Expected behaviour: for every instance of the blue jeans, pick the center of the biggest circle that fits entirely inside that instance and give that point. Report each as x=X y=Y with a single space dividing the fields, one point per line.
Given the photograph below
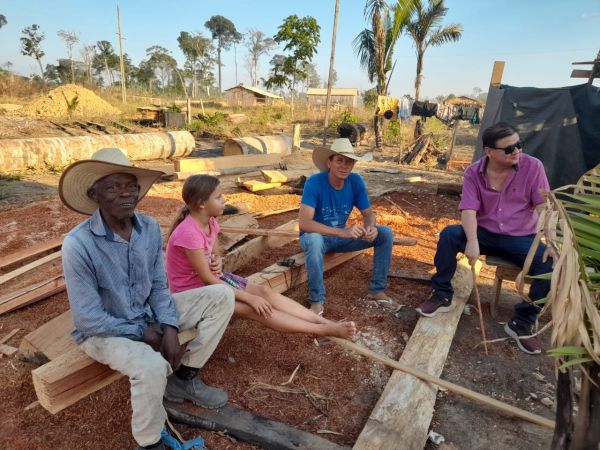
x=512 y=248
x=315 y=246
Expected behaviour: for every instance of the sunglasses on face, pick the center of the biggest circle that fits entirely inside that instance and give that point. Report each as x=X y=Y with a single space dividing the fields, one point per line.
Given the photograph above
x=511 y=148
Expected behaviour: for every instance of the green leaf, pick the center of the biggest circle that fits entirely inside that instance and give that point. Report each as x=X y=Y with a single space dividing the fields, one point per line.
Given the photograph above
x=542 y=276
x=540 y=301
x=593 y=200
x=587 y=252
x=585 y=226
x=580 y=206
x=567 y=351
x=573 y=362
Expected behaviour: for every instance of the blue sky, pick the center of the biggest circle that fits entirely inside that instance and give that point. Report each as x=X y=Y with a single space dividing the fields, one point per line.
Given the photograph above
x=538 y=39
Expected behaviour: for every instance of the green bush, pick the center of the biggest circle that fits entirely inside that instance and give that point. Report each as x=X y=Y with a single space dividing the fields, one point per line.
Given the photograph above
x=214 y=119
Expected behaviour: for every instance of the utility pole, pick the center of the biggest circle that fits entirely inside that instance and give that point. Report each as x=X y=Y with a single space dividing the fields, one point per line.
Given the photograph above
x=330 y=80
x=123 y=76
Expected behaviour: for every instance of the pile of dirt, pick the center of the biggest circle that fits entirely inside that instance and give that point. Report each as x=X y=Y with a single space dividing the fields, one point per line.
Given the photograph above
x=70 y=101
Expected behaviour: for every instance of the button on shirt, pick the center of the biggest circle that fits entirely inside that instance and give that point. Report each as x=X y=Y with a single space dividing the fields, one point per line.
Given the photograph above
x=116 y=287
x=510 y=211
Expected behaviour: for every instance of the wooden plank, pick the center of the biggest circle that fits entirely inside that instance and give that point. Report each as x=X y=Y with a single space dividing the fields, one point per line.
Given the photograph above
x=259 y=232
x=255 y=185
x=263 y=214
x=27 y=267
x=50 y=340
x=225 y=162
x=245 y=426
x=240 y=221
x=30 y=252
x=32 y=294
x=74 y=375
x=580 y=73
x=6 y=338
x=7 y=350
x=249 y=250
x=497 y=72
x=285 y=176
x=281 y=278
x=404 y=410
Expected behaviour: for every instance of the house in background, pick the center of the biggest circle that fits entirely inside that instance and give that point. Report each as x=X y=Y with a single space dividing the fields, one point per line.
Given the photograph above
x=345 y=97
x=241 y=95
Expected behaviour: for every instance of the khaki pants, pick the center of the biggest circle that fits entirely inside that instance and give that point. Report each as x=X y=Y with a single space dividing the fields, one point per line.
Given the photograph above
x=208 y=309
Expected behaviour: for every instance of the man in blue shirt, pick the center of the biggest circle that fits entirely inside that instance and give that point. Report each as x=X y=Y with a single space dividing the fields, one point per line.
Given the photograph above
x=123 y=313
x=327 y=202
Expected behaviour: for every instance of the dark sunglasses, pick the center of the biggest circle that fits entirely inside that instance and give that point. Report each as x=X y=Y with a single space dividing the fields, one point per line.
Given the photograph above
x=511 y=148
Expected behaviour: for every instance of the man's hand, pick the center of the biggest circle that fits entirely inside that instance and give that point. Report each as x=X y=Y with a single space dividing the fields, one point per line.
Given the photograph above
x=472 y=251
x=354 y=232
x=370 y=234
x=170 y=348
x=550 y=253
x=216 y=265
x=152 y=338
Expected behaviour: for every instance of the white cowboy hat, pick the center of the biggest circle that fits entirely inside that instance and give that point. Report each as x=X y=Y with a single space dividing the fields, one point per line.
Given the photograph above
x=80 y=176
x=341 y=146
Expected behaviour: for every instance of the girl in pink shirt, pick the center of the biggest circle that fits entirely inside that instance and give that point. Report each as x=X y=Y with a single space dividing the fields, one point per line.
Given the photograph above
x=193 y=261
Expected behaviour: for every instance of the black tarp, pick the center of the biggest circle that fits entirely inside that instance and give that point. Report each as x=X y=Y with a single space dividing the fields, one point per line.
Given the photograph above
x=559 y=126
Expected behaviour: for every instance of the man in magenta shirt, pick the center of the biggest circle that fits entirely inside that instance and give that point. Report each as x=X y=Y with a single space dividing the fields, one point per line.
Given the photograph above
x=499 y=212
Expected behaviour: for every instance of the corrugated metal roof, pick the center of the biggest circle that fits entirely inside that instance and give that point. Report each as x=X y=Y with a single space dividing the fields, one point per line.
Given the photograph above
x=334 y=91
x=256 y=90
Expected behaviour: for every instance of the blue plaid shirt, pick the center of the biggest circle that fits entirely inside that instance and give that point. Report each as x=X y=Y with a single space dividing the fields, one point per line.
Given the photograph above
x=116 y=287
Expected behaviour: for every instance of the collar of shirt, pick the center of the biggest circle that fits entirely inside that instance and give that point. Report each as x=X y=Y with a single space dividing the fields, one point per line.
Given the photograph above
x=100 y=228
x=483 y=163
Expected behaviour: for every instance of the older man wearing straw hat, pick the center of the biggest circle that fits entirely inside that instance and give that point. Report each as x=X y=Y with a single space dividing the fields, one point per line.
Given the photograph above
x=327 y=201
x=123 y=313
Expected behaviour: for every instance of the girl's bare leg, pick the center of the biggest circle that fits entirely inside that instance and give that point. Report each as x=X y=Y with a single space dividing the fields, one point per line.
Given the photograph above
x=286 y=304
x=282 y=321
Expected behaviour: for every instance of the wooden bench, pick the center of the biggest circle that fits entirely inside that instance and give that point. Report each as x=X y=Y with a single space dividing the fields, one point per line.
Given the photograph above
x=505 y=270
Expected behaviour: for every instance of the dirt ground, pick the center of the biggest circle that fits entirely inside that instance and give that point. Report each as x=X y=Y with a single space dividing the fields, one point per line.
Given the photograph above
x=344 y=387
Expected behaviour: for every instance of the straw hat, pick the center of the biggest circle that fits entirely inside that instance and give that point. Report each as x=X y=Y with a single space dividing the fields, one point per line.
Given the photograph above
x=341 y=146
x=80 y=176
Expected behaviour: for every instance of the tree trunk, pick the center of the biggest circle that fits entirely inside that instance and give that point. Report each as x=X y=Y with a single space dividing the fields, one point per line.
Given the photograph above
x=219 y=63
x=564 y=412
x=39 y=60
x=419 y=75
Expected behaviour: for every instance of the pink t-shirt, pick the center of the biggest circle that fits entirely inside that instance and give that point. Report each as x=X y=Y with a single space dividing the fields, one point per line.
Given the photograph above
x=188 y=235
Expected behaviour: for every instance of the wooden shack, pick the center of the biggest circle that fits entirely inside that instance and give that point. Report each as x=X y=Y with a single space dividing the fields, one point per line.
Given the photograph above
x=241 y=95
x=347 y=97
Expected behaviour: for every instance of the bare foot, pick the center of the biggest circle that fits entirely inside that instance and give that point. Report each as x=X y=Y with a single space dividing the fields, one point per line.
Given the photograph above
x=344 y=330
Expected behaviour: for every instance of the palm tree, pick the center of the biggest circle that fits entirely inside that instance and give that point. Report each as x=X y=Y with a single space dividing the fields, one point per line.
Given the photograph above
x=374 y=46
x=425 y=29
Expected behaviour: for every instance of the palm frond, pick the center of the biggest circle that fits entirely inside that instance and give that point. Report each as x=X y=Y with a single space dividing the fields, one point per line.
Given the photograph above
x=364 y=46
x=450 y=33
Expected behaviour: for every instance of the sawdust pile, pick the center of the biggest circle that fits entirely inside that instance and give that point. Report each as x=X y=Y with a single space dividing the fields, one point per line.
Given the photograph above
x=70 y=100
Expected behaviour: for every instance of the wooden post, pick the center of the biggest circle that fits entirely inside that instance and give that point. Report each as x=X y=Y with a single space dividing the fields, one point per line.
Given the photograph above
x=330 y=80
x=497 y=72
x=296 y=137
x=123 y=76
x=453 y=140
x=189 y=110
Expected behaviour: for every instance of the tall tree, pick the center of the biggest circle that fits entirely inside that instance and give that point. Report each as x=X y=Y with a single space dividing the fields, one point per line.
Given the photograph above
x=88 y=53
x=224 y=32
x=313 y=80
x=31 y=44
x=162 y=63
x=2 y=20
x=374 y=46
x=70 y=38
x=257 y=44
x=301 y=37
x=196 y=49
x=106 y=60
x=425 y=29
